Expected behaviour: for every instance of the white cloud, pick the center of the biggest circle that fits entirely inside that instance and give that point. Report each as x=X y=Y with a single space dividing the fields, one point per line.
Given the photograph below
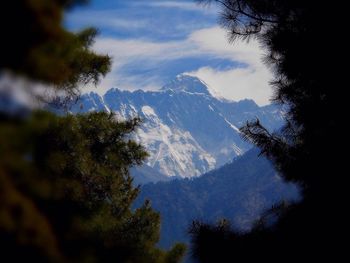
x=214 y=40
x=251 y=81
x=125 y=52
x=108 y=19
x=175 y=4
x=190 y=6
x=237 y=84
x=248 y=80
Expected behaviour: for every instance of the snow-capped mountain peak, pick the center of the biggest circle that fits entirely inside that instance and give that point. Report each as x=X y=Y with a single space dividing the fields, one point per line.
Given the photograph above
x=188 y=84
x=186 y=130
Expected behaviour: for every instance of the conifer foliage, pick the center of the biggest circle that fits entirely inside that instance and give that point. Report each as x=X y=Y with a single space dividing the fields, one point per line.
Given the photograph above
x=39 y=47
x=296 y=38
x=66 y=191
x=65 y=187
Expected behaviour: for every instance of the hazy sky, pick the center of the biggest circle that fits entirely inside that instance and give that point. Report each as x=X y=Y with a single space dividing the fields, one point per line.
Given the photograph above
x=152 y=41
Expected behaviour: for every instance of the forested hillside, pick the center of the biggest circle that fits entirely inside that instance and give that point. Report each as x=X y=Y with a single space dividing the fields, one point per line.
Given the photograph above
x=239 y=191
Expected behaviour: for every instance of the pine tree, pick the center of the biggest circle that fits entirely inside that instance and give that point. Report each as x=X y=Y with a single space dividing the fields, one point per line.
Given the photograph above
x=38 y=47
x=67 y=193
x=296 y=35
x=65 y=187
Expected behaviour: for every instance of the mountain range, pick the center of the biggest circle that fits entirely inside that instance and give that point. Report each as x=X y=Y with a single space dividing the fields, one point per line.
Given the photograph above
x=187 y=129
x=239 y=191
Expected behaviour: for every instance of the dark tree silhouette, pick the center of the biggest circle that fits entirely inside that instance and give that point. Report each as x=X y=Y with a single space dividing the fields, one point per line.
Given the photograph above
x=37 y=46
x=66 y=192
x=65 y=187
x=295 y=34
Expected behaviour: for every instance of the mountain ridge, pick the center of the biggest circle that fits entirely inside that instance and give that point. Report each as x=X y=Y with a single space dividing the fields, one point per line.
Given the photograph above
x=239 y=191
x=186 y=130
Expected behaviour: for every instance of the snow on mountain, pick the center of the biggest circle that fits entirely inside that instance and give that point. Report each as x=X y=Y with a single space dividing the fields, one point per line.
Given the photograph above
x=173 y=150
x=186 y=129
x=187 y=84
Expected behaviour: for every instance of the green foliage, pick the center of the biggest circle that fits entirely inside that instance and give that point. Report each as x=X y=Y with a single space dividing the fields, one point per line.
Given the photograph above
x=298 y=39
x=239 y=191
x=65 y=188
x=289 y=31
x=66 y=191
x=38 y=47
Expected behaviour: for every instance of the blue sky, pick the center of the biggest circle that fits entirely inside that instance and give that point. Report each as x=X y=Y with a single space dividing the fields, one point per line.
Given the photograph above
x=152 y=41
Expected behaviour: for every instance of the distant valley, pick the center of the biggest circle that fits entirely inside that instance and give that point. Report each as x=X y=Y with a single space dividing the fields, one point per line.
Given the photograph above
x=239 y=191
